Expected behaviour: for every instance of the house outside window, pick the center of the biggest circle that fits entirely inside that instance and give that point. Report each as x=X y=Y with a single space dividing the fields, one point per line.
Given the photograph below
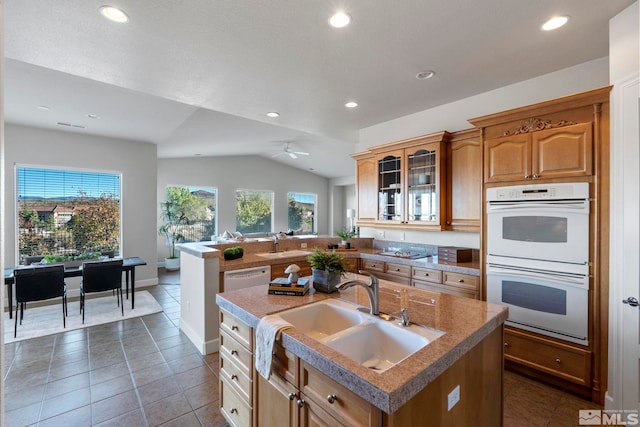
x=301 y=213
x=67 y=214
x=254 y=210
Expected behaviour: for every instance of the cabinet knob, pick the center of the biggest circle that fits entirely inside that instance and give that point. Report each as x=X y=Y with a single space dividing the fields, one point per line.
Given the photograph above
x=291 y=396
x=460 y=280
x=332 y=398
x=527 y=176
x=234 y=352
x=558 y=361
x=234 y=411
x=300 y=403
x=426 y=274
x=535 y=176
x=506 y=344
x=234 y=328
x=234 y=377
x=397 y=269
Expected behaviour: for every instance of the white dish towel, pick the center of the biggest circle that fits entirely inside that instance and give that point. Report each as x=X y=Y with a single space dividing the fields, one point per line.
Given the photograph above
x=268 y=331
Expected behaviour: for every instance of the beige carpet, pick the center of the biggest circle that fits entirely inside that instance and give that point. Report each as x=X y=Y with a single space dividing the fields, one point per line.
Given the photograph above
x=47 y=320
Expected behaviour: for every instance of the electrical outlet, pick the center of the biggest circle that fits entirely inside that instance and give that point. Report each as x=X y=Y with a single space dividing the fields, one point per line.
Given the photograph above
x=453 y=398
x=402 y=236
x=381 y=234
x=303 y=246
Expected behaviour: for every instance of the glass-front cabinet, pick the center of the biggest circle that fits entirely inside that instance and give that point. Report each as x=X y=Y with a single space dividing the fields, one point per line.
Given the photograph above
x=410 y=185
x=390 y=191
x=423 y=198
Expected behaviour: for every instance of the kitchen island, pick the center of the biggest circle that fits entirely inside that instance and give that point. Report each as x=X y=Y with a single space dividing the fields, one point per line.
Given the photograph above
x=466 y=360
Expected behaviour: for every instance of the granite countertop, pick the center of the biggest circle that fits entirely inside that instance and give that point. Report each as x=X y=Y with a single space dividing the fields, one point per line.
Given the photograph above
x=250 y=260
x=465 y=322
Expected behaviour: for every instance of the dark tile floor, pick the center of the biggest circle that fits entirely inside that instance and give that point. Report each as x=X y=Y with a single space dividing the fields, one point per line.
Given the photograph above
x=138 y=372
x=145 y=372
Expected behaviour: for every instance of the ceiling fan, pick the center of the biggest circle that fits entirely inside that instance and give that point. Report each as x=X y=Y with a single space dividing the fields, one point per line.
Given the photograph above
x=288 y=150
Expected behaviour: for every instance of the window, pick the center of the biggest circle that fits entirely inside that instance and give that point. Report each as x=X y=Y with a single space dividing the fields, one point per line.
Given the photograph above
x=67 y=214
x=199 y=206
x=254 y=211
x=301 y=213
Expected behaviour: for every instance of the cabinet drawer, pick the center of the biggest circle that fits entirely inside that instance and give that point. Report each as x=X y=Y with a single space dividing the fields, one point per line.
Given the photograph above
x=437 y=287
x=398 y=269
x=347 y=407
x=237 y=329
x=373 y=265
x=464 y=281
x=234 y=409
x=561 y=360
x=427 y=275
x=234 y=351
x=236 y=376
x=352 y=265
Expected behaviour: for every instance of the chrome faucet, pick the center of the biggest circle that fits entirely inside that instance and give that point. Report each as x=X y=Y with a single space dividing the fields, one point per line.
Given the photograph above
x=275 y=243
x=372 y=288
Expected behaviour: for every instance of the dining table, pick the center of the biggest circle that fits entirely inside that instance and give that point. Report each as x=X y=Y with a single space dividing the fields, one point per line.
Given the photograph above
x=129 y=265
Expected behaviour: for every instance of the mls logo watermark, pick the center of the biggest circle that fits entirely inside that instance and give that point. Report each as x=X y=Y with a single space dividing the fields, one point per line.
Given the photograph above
x=596 y=417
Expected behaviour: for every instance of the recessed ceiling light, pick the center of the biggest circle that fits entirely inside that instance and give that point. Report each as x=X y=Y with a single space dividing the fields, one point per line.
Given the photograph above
x=114 y=14
x=273 y=114
x=424 y=75
x=555 y=22
x=340 y=19
x=43 y=107
x=93 y=116
x=351 y=104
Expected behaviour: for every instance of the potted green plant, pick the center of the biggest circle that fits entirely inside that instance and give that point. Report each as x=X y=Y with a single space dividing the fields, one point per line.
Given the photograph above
x=346 y=235
x=179 y=210
x=327 y=269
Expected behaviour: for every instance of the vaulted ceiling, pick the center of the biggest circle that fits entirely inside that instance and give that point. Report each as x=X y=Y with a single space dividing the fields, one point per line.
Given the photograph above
x=198 y=77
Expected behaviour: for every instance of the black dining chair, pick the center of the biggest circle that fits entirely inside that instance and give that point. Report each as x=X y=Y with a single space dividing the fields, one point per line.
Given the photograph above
x=39 y=284
x=100 y=276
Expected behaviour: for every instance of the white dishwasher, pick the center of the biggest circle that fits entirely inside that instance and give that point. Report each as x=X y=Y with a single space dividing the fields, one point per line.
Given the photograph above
x=246 y=278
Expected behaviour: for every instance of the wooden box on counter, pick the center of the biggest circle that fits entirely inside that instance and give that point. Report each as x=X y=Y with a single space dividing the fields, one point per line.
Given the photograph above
x=454 y=254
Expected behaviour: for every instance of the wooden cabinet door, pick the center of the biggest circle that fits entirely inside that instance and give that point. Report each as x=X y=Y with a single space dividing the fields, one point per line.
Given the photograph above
x=367 y=189
x=312 y=415
x=424 y=184
x=562 y=152
x=276 y=403
x=507 y=158
x=464 y=181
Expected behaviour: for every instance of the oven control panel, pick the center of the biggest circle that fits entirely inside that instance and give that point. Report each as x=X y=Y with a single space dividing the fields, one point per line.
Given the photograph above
x=557 y=191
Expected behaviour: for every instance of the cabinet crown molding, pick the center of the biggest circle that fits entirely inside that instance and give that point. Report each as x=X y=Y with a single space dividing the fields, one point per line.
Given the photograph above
x=535 y=124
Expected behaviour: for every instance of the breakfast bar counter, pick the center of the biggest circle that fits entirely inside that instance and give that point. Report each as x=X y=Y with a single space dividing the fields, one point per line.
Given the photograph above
x=466 y=324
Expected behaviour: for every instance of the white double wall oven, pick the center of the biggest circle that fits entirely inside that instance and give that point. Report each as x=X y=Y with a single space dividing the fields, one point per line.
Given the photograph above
x=538 y=257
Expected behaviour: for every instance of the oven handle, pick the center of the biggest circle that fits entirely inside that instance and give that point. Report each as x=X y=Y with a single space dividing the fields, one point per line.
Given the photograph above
x=557 y=278
x=517 y=206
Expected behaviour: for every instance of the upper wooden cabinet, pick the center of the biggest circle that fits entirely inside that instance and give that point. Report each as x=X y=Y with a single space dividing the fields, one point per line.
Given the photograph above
x=557 y=152
x=367 y=187
x=403 y=184
x=464 y=181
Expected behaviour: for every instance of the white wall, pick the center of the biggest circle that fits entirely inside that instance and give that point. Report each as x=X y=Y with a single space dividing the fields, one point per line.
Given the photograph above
x=135 y=160
x=453 y=117
x=247 y=172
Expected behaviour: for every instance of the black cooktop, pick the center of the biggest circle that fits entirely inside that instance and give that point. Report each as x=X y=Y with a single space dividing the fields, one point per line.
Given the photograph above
x=404 y=254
